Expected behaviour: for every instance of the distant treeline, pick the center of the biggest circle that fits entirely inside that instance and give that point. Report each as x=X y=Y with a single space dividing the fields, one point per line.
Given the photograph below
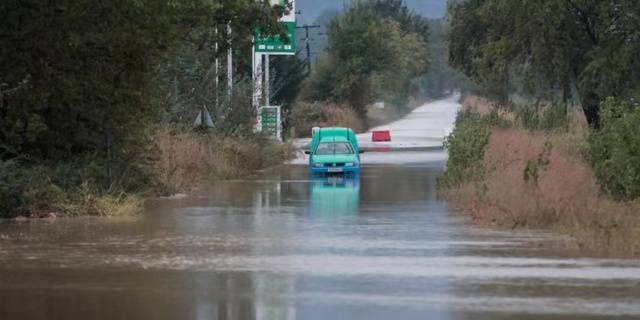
x=376 y=51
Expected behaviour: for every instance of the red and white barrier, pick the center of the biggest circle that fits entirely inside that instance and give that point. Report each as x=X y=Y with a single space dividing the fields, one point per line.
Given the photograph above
x=381 y=136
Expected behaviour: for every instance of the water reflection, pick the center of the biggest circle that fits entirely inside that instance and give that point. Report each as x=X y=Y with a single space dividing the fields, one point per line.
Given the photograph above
x=330 y=198
x=335 y=197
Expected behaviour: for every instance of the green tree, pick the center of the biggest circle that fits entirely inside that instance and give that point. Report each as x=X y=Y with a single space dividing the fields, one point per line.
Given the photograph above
x=396 y=10
x=395 y=83
x=375 y=49
x=441 y=79
x=563 y=44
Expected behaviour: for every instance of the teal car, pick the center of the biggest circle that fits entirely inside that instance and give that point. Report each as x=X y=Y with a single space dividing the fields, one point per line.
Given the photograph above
x=334 y=150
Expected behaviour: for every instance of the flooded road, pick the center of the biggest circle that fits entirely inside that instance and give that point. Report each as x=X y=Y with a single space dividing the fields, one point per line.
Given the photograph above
x=283 y=246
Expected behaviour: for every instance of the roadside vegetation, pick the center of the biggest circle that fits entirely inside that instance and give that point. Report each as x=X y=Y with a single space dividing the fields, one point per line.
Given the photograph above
x=86 y=108
x=186 y=159
x=554 y=145
x=547 y=170
x=614 y=150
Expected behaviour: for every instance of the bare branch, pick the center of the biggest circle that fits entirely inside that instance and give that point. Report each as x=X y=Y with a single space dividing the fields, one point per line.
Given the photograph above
x=20 y=85
x=586 y=21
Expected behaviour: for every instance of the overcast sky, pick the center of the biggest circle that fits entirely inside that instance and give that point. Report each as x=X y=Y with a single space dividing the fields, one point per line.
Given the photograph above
x=312 y=8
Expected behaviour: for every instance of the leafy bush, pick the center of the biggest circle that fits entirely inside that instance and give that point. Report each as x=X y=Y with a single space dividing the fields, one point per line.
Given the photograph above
x=24 y=191
x=614 y=150
x=466 y=146
x=62 y=189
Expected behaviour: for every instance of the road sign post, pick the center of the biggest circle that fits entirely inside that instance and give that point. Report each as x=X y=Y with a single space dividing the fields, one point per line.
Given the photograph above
x=276 y=45
x=263 y=48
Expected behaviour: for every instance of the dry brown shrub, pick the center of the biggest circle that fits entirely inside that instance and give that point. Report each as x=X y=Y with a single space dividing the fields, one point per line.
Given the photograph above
x=185 y=160
x=308 y=115
x=484 y=106
x=343 y=117
x=478 y=104
x=577 y=120
x=561 y=193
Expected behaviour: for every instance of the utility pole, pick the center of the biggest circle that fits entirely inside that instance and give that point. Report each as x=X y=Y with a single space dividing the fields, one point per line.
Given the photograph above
x=229 y=61
x=307 y=41
x=267 y=78
x=217 y=70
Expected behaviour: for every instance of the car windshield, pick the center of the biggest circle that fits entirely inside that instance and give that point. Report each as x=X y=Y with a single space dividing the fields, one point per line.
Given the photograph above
x=327 y=148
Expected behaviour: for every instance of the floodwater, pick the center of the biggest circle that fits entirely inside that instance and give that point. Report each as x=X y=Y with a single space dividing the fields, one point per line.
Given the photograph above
x=283 y=246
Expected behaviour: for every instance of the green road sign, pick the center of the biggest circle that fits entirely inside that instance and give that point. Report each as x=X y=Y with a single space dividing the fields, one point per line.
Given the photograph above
x=270 y=121
x=275 y=45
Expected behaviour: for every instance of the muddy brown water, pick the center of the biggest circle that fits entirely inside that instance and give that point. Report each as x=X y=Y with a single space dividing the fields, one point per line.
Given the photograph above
x=284 y=246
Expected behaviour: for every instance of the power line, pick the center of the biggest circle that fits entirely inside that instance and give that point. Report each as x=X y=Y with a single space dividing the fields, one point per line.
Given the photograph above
x=307 y=41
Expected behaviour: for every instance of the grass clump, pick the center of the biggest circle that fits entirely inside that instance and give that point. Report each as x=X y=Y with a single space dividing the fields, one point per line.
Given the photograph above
x=88 y=201
x=552 y=117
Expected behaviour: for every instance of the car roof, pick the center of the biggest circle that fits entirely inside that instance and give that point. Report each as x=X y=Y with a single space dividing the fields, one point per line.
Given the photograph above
x=325 y=132
x=334 y=134
x=334 y=139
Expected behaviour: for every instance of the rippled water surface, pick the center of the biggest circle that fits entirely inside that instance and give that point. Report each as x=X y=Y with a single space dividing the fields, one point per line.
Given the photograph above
x=283 y=246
